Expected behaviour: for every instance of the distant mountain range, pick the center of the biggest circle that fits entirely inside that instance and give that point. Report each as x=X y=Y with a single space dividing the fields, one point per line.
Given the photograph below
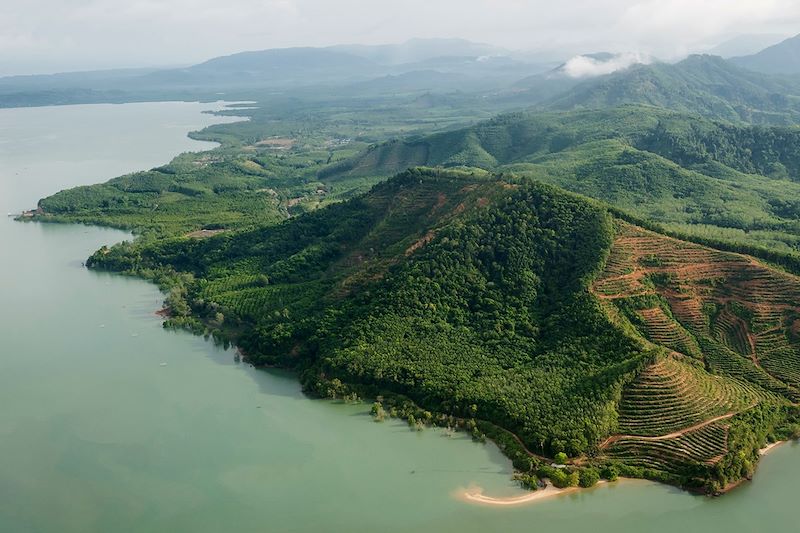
x=747 y=44
x=760 y=88
x=702 y=84
x=707 y=85
x=419 y=65
x=782 y=58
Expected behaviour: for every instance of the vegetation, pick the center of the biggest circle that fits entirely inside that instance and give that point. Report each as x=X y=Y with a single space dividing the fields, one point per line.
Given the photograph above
x=681 y=418
x=466 y=295
x=268 y=168
x=702 y=84
x=704 y=180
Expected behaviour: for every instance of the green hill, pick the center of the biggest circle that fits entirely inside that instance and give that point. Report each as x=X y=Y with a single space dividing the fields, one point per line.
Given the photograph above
x=454 y=289
x=500 y=305
x=706 y=178
x=701 y=84
x=706 y=85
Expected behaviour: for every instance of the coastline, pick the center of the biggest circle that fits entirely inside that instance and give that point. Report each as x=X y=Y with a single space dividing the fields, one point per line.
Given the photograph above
x=769 y=447
x=475 y=495
x=761 y=453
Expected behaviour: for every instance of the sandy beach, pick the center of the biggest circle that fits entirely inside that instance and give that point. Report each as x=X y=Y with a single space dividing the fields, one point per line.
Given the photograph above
x=770 y=447
x=475 y=495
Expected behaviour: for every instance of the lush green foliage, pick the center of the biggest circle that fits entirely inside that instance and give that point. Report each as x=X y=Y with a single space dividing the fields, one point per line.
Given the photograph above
x=268 y=168
x=468 y=295
x=711 y=180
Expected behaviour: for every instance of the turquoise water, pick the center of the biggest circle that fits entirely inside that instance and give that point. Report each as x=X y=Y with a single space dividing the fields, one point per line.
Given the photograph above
x=110 y=423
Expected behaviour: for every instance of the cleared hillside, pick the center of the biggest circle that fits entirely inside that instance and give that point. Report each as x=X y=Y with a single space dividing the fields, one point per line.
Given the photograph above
x=741 y=315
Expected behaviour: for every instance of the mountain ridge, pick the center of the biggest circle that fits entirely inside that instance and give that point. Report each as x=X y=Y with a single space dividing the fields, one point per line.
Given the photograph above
x=780 y=58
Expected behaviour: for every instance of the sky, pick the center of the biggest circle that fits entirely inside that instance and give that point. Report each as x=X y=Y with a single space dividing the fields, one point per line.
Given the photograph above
x=40 y=36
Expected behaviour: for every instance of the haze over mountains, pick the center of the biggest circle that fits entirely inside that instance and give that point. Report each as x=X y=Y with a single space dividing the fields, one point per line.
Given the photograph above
x=782 y=58
x=747 y=44
x=709 y=85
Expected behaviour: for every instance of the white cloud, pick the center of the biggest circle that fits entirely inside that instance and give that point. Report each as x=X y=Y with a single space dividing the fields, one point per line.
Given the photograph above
x=585 y=67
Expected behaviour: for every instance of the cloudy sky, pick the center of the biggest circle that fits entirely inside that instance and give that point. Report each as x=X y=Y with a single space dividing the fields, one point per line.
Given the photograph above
x=59 y=35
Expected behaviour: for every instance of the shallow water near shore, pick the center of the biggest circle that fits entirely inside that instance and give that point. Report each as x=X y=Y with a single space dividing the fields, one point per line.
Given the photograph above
x=110 y=423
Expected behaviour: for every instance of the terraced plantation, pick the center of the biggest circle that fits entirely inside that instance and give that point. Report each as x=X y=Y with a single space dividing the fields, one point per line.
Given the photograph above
x=674 y=455
x=674 y=393
x=727 y=329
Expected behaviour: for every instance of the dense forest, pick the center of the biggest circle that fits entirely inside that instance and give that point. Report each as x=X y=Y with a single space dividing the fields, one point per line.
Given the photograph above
x=700 y=178
x=467 y=294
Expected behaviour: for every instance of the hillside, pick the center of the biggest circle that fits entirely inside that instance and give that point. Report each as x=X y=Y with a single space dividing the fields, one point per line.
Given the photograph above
x=728 y=310
x=266 y=168
x=706 y=85
x=781 y=58
x=713 y=311
x=705 y=178
x=493 y=303
x=554 y=83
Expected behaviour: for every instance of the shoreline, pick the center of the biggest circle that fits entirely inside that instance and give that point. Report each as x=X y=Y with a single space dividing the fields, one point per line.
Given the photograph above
x=761 y=453
x=769 y=447
x=475 y=495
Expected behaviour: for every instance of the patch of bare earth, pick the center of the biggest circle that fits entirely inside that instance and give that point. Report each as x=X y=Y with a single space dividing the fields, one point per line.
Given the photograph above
x=276 y=143
x=204 y=233
x=428 y=237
